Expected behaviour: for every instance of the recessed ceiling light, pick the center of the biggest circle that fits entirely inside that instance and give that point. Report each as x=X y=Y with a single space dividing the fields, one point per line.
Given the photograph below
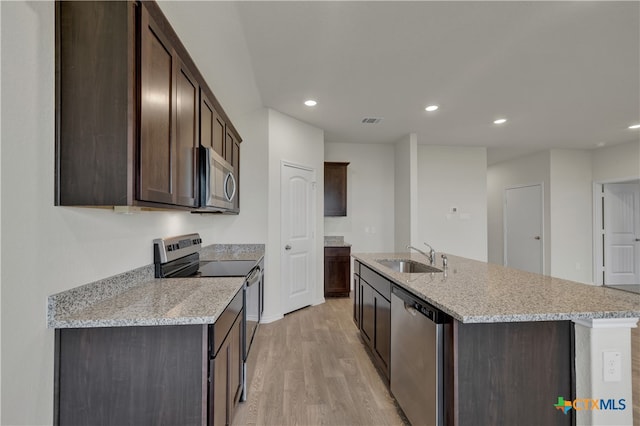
x=500 y=121
x=635 y=126
x=432 y=108
x=310 y=102
x=601 y=144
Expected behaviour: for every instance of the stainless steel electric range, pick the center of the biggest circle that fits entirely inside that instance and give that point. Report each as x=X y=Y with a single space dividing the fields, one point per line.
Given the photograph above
x=179 y=257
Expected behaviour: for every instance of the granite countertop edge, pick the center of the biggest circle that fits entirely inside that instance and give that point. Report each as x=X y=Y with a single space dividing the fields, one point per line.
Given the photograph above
x=413 y=283
x=135 y=298
x=133 y=322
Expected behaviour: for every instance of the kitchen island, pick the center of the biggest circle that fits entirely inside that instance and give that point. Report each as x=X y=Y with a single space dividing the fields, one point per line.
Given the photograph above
x=514 y=342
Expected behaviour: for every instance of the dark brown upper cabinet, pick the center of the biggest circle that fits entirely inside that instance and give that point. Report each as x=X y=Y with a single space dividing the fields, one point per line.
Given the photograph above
x=335 y=189
x=212 y=126
x=168 y=121
x=131 y=109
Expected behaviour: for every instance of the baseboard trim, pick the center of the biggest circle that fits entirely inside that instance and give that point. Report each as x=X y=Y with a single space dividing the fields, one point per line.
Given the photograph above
x=272 y=318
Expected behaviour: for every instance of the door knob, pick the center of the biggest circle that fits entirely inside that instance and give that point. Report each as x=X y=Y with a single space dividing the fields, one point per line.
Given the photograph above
x=537 y=237
x=287 y=247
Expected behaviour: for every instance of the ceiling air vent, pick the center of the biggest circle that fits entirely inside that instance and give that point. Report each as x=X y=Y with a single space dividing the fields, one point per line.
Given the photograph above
x=371 y=120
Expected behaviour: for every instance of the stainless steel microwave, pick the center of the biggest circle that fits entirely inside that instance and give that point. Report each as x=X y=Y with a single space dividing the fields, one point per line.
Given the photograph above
x=218 y=182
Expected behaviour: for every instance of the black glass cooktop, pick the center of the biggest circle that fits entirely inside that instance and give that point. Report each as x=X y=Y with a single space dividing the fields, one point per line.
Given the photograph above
x=225 y=268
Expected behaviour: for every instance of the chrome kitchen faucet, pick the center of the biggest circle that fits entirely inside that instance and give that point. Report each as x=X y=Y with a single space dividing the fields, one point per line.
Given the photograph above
x=431 y=256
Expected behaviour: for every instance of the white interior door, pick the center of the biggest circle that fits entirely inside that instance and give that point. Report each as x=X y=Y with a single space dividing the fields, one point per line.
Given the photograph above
x=523 y=228
x=297 y=236
x=622 y=233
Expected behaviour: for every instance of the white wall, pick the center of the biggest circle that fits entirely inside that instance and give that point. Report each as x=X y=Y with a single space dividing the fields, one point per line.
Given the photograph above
x=224 y=60
x=452 y=177
x=568 y=177
x=617 y=163
x=296 y=142
x=405 y=193
x=47 y=249
x=369 y=224
x=526 y=170
x=571 y=224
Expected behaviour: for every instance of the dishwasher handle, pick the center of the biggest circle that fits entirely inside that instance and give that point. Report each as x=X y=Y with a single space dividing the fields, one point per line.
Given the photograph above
x=413 y=305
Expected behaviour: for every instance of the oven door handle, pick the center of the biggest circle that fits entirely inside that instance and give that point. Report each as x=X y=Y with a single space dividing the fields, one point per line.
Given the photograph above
x=254 y=276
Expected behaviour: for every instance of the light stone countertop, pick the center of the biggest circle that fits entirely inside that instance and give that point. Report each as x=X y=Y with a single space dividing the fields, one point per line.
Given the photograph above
x=136 y=298
x=335 y=241
x=160 y=301
x=479 y=292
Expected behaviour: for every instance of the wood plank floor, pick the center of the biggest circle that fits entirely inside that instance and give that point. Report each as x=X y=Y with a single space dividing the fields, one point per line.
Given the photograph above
x=311 y=368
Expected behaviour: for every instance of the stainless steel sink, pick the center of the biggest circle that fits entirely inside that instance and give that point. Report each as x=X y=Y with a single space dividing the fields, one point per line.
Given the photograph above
x=407 y=266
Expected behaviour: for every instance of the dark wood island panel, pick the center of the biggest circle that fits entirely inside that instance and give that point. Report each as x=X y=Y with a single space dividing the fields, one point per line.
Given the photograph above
x=509 y=373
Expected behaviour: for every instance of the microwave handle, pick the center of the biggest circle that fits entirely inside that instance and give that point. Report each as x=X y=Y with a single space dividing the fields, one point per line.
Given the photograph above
x=207 y=173
x=226 y=181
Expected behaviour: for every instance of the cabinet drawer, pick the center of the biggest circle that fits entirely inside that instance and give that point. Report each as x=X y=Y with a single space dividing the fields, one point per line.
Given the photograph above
x=223 y=324
x=356 y=267
x=378 y=282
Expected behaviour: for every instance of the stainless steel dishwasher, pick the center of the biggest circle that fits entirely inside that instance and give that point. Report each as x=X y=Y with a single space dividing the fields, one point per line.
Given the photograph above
x=416 y=358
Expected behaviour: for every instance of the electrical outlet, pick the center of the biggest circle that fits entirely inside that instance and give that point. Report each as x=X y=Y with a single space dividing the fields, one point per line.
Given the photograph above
x=611 y=367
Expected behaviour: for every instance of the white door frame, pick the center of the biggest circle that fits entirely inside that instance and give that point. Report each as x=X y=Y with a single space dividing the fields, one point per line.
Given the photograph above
x=598 y=232
x=314 y=284
x=504 y=221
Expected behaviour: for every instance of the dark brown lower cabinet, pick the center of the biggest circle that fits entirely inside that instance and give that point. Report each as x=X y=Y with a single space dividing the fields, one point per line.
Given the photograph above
x=150 y=375
x=368 y=320
x=357 y=301
x=131 y=375
x=226 y=378
x=375 y=315
x=382 y=340
x=337 y=266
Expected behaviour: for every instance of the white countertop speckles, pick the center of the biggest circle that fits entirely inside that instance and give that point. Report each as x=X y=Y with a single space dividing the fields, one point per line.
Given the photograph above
x=479 y=292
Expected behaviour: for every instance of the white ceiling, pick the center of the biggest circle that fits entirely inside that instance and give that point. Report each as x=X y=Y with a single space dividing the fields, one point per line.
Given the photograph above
x=564 y=74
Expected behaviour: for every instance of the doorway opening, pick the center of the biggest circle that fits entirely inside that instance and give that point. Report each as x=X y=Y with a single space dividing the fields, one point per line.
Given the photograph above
x=617 y=234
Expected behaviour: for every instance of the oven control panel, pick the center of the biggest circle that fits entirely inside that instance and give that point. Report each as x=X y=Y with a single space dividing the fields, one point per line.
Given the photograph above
x=172 y=248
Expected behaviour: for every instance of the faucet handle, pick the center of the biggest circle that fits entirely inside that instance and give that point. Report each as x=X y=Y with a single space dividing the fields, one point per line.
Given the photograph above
x=444 y=260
